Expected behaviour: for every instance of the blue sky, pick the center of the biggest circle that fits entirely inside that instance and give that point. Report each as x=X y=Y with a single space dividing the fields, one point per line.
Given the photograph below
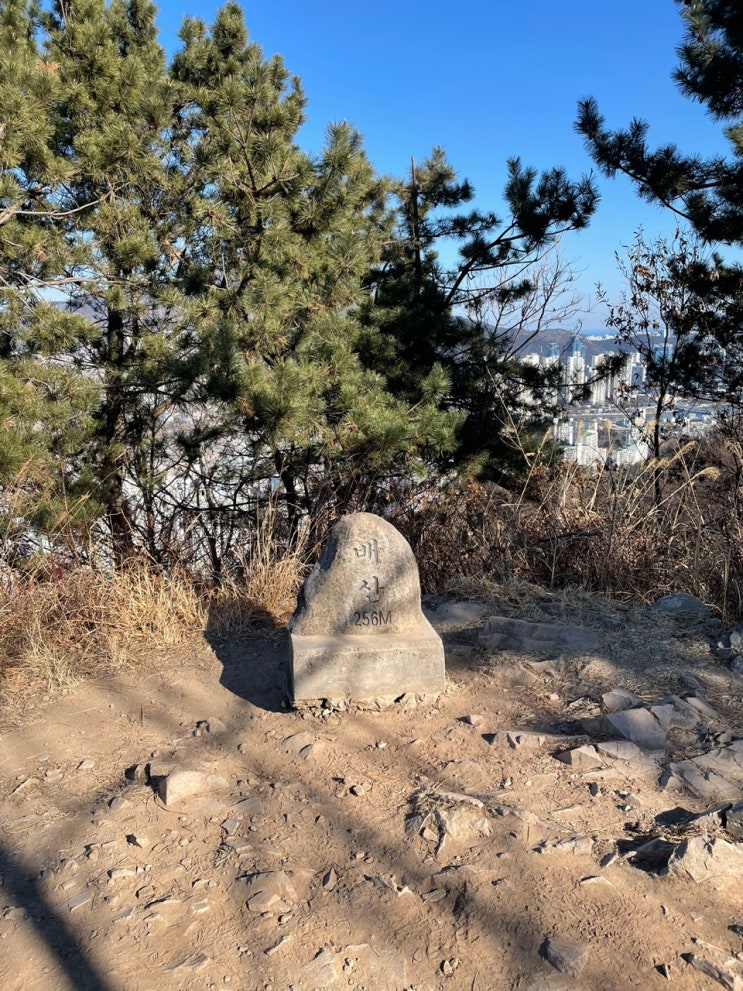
x=488 y=80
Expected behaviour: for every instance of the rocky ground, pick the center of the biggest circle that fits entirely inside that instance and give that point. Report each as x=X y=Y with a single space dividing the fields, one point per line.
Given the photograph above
x=535 y=827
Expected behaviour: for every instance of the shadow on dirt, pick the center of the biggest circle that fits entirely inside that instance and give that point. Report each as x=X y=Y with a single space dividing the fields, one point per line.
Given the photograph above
x=21 y=886
x=255 y=667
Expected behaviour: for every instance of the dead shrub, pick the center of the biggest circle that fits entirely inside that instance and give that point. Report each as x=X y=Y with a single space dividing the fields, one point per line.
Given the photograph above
x=598 y=529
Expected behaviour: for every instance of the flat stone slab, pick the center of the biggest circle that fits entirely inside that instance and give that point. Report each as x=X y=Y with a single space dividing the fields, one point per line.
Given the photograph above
x=640 y=726
x=715 y=776
x=682 y=606
x=457 y=613
x=359 y=631
x=649 y=726
x=703 y=859
x=521 y=636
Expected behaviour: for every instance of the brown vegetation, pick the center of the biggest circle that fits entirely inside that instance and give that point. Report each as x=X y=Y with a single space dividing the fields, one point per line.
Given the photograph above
x=600 y=531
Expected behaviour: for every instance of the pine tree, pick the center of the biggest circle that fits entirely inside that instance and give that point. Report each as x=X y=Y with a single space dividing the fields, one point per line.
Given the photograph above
x=275 y=262
x=45 y=405
x=450 y=322
x=708 y=193
x=705 y=193
x=85 y=196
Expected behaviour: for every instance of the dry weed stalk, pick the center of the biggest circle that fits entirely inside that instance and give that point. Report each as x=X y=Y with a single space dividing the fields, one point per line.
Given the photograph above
x=264 y=582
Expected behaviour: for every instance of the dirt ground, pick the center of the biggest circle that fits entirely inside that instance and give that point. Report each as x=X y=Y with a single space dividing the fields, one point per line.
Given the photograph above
x=316 y=883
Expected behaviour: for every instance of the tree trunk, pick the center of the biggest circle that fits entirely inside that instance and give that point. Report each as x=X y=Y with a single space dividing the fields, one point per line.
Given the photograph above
x=113 y=461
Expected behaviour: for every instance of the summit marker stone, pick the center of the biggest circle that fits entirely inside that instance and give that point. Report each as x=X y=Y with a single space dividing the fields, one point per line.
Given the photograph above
x=358 y=631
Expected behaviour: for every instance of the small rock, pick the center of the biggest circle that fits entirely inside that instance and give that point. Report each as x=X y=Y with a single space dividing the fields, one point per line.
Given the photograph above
x=449 y=966
x=690 y=681
x=248 y=807
x=681 y=606
x=579 y=845
x=302 y=744
x=459 y=613
x=121 y=873
x=565 y=955
x=523 y=739
x=513 y=676
x=117 y=803
x=184 y=783
x=275 y=947
x=330 y=879
x=141 y=840
x=266 y=901
x=596 y=879
x=463 y=822
x=238 y=844
x=618 y=699
x=321 y=969
x=158 y=768
x=124 y=916
x=79 y=901
x=584 y=758
x=735 y=638
x=86 y=765
x=26 y=785
x=471 y=719
x=270 y=891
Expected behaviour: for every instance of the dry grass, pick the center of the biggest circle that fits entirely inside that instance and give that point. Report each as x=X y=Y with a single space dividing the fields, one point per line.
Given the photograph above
x=58 y=627
x=52 y=632
x=601 y=531
x=571 y=532
x=264 y=584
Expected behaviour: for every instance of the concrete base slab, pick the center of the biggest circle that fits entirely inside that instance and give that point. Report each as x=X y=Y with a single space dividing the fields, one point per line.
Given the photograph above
x=359 y=667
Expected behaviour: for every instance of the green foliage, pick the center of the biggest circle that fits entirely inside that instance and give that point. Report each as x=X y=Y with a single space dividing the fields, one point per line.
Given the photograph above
x=708 y=193
x=194 y=312
x=276 y=259
x=465 y=322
